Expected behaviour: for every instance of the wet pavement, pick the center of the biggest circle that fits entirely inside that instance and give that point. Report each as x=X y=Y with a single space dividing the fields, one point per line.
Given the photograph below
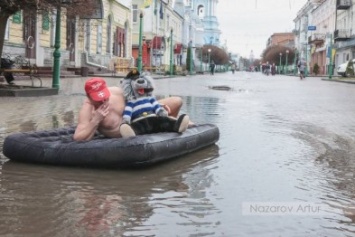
x=284 y=166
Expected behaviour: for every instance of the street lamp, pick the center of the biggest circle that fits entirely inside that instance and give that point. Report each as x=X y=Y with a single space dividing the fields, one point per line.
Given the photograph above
x=209 y=56
x=171 y=52
x=201 y=60
x=190 y=57
x=56 y=52
x=330 y=68
x=139 y=63
x=295 y=62
x=280 y=64
x=286 y=60
x=306 y=69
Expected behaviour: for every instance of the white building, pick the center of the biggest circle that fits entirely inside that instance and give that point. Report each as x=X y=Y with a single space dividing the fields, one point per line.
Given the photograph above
x=303 y=23
x=321 y=39
x=344 y=34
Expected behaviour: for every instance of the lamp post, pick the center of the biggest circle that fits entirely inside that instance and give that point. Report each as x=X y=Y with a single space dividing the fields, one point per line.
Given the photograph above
x=171 y=52
x=280 y=63
x=139 y=62
x=190 y=57
x=209 y=59
x=286 y=60
x=295 y=62
x=56 y=52
x=201 y=60
x=330 y=68
x=306 y=69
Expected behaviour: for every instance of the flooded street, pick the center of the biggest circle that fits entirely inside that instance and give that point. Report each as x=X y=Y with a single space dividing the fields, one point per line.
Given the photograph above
x=284 y=144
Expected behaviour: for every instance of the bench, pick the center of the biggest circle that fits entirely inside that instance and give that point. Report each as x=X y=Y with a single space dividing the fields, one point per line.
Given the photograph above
x=124 y=69
x=22 y=67
x=153 y=68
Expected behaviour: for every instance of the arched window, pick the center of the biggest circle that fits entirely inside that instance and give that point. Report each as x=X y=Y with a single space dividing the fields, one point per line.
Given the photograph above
x=109 y=33
x=7 y=33
x=201 y=11
x=99 y=39
x=87 y=35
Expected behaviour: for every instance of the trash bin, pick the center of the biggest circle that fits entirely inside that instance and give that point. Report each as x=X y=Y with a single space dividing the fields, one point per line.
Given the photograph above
x=84 y=71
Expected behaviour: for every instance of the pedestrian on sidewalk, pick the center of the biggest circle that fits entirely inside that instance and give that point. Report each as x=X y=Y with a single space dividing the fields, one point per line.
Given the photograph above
x=301 y=67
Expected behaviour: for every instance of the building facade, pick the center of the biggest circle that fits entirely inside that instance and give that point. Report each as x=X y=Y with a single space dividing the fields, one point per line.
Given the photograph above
x=302 y=22
x=97 y=40
x=320 y=39
x=344 y=34
x=109 y=38
x=286 y=39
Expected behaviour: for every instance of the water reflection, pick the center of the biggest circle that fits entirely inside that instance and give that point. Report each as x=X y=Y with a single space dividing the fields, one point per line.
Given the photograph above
x=28 y=126
x=68 y=118
x=56 y=201
x=281 y=140
x=335 y=154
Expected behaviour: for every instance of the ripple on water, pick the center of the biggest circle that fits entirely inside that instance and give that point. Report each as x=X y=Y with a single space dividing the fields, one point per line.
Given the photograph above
x=333 y=179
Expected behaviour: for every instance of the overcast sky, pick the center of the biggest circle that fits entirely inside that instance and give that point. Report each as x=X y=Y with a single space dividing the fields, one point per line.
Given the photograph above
x=247 y=24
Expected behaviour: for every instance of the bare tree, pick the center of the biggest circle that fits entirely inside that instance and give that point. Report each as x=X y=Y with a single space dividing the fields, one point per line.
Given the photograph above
x=272 y=54
x=10 y=7
x=218 y=55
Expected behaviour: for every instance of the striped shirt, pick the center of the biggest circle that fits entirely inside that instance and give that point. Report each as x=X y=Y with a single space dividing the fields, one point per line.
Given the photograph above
x=135 y=108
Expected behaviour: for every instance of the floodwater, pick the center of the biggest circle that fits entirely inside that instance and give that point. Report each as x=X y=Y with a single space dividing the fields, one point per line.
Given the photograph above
x=284 y=166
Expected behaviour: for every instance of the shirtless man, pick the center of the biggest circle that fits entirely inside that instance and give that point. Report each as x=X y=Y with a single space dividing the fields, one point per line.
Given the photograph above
x=103 y=108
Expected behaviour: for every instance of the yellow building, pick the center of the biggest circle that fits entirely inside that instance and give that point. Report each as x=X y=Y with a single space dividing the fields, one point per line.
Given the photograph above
x=99 y=40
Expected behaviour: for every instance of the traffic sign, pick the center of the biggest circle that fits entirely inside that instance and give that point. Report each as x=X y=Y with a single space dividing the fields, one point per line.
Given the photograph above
x=312 y=27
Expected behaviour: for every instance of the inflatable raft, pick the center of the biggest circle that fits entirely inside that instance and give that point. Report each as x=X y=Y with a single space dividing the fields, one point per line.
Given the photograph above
x=57 y=147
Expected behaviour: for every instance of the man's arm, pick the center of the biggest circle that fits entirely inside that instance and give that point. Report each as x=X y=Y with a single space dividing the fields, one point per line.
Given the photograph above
x=88 y=122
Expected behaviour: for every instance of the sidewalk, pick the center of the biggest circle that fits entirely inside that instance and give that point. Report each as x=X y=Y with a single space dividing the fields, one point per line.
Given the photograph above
x=73 y=84
x=341 y=79
x=335 y=78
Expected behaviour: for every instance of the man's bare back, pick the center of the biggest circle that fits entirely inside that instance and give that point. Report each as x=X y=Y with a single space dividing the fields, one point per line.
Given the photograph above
x=105 y=116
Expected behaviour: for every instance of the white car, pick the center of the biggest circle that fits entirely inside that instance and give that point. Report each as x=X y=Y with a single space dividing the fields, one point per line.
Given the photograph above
x=341 y=69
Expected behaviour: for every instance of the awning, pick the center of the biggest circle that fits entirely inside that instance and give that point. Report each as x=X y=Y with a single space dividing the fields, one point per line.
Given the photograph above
x=177 y=48
x=158 y=42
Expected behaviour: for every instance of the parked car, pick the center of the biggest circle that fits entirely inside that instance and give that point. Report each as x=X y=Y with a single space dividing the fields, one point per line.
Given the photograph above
x=341 y=69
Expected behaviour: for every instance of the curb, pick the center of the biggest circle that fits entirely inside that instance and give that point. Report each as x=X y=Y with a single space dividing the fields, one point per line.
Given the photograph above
x=342 y=81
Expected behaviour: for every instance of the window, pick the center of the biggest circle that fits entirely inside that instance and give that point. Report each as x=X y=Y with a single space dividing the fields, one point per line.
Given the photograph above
x=99 y=39
x=167 y=22
x=201 y=11
x=45 y=20
x=53 y=27
x=108 y=34
x=16 y=18
x=7 y=32
x=135 y=13
x=87 y=36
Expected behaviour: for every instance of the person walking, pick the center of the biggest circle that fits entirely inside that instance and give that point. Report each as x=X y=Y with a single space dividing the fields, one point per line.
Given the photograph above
x=233 y=68
x=301 y=67
x=212 y=66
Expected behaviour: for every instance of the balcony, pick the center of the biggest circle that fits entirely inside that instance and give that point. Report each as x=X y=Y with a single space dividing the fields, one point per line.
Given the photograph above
x=316 y=39
x=342 y=35
x=343 y=4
